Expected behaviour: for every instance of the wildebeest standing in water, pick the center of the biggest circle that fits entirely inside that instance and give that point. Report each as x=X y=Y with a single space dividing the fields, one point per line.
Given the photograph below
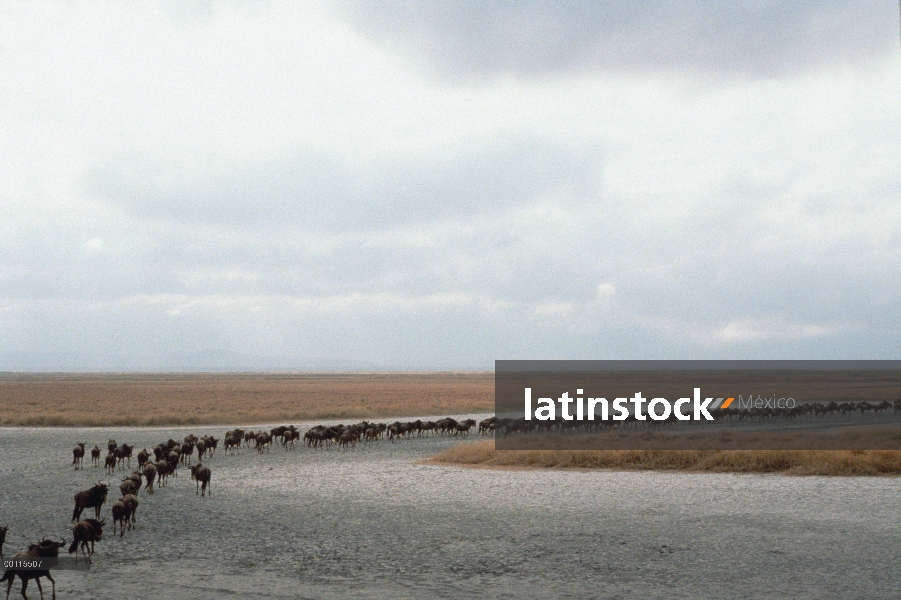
x=89 y=530
x=92 y=498
x=47 y=548
x=78 y=455
x=95 y=456
x=3 y=531
x=201 y=475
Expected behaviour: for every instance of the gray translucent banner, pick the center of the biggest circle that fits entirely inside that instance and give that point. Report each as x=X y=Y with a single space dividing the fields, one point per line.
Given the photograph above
x=61 y=563
x=698 y=405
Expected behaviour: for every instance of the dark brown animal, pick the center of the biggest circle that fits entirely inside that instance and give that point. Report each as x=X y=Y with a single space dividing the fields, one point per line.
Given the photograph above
x=95 y=457
x=173 y=460
x=45 y=549
x=78 y=456
x=211 y=444
x=201 y=475
x=123 y=453
x=201 y=449
x=129 y=487
x=3 y=531
x=131 y=502
x=120 y=516
x=150 y=476
x=92 y=498
x=232 y=442
x=84 y=532
x=163 y=470
x=110 y=465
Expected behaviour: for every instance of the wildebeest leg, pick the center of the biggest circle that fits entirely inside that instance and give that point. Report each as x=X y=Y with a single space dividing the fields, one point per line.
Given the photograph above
x=24 y=587
x=52 y=583
x=9 y=586
x=37 y=580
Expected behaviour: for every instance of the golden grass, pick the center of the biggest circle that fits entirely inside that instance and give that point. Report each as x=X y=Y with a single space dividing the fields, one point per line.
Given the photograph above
x=788 y=462
x=235 y=398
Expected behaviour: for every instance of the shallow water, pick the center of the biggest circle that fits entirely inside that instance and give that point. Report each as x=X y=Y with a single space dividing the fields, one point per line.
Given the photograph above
x=370 y=523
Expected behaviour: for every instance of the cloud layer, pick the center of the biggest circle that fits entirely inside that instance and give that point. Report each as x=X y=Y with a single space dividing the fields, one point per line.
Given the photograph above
x=442 y=185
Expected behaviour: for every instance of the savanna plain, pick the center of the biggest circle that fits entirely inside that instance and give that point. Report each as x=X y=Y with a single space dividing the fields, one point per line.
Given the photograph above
x=408 y=519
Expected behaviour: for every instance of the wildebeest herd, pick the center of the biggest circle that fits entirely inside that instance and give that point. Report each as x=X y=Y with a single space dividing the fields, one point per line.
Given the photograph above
x=156 y=465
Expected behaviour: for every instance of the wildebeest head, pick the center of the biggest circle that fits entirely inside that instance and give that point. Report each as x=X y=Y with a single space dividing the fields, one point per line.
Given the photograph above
x=97 y=527
x=46 y=548
x=99 y=491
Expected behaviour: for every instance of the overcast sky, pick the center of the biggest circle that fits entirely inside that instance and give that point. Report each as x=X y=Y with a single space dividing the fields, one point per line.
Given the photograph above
x=438 y=184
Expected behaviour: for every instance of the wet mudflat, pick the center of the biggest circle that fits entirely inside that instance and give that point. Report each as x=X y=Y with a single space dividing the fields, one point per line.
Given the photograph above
x=370 y=523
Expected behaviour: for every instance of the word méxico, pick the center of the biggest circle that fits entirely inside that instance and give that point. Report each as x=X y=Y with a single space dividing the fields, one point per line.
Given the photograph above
x=658 y=409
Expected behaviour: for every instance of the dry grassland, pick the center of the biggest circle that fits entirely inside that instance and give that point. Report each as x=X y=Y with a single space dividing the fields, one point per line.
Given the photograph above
x=788 y=462
x=230 y=398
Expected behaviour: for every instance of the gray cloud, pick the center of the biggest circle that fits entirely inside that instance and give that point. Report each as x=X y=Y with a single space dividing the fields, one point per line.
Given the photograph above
x=328 y=193
x=749 y=37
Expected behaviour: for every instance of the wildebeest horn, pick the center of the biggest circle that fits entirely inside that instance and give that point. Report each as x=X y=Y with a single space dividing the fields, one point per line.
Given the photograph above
x=102 y=521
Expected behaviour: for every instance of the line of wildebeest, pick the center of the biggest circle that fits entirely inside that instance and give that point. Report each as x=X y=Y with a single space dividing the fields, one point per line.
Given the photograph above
x=156 y=465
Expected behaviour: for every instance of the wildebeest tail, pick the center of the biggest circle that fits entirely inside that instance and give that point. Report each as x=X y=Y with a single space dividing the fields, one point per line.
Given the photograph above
x=9 y=575
x=73 y=547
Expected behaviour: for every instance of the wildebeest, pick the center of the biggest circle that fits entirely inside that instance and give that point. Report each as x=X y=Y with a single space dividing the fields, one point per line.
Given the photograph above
x=201 y=474
x=111 y=445
x=201 y=449
x=150 y=476
x=92 y=498
x=120 y=516
x=143 y=457
x=78 y=455
x=163 y=470
x=95 y=457
x=187 y=449
x=173 y=459
x=211 y=444
x=289 y=437
x=264 y=440
x=232 y=441
x=3 y=531
x=123 y=452
x=89 y=530
x=110 y=465
x=129 y=487
x=47 y=548
x=347 y=439
x=131 y=502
